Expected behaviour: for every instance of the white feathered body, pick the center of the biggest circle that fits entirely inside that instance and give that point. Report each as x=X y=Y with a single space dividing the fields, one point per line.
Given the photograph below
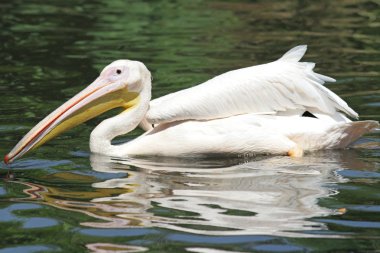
x=255 y=110
x=246 y=134
x=285 y=86
x=280 y=107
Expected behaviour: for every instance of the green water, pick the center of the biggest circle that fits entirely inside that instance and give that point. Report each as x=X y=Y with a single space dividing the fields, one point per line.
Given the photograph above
x=63 y=199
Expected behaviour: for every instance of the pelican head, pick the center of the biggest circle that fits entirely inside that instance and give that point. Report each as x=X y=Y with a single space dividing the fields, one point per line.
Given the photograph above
x=118 y=85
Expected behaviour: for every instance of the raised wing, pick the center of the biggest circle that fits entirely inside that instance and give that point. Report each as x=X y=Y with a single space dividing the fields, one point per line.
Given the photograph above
x=272 y=88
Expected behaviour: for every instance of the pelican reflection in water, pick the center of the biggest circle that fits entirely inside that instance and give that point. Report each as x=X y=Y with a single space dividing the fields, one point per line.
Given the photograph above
x=259 y=109
x=274 y=196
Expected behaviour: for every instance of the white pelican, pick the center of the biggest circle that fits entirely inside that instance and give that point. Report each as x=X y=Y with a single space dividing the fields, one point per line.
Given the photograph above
x=258 y=109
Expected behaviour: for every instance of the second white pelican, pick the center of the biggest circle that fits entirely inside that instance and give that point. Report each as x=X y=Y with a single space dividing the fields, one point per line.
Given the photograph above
x=259 y=109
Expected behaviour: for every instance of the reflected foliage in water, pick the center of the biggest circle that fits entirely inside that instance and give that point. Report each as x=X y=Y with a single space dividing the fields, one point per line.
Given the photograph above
x=61 y=198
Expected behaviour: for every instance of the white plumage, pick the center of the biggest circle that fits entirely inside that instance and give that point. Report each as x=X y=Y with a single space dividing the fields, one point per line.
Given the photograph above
x=282 y=87
x=245 y=134
x=252 y=110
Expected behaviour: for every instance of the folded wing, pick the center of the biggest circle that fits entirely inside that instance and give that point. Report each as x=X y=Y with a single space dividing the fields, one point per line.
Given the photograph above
x=278 y=87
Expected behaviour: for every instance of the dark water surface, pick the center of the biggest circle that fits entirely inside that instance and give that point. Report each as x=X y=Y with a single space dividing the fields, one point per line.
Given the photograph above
x=63 y=199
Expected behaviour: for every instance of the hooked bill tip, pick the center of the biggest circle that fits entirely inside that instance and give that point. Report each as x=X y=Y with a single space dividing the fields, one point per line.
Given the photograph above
x=6 y=159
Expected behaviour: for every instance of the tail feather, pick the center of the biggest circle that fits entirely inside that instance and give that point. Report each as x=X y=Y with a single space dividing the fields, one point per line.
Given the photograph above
x=347 y=133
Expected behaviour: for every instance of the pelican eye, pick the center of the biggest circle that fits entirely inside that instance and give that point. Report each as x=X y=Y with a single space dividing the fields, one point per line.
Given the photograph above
x=118 y=71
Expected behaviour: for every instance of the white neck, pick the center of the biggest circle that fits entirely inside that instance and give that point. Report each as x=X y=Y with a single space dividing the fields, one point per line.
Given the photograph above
x=102 y=135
